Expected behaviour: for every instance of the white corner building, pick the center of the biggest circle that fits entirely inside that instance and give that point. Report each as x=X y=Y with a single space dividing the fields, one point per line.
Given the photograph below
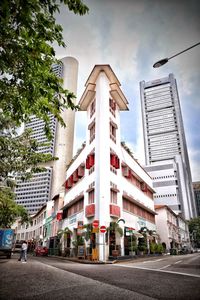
x=172 y=229
x=104 y=182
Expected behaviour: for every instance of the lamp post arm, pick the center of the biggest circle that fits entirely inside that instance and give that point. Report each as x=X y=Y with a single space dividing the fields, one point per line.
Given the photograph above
x=184 y=50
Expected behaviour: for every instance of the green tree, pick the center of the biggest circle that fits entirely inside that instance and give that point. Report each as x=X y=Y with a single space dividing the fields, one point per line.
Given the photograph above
x=18 y=153
x=28 y=86
x=9 y=210
x=63 y=233
x=194 y=229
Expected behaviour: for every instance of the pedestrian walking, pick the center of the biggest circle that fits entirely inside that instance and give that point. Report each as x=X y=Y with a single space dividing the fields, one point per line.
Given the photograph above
x=24 y=252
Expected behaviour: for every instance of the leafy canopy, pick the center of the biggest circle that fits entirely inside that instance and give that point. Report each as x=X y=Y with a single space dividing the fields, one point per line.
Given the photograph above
x=194 y=228
x=19 y=153
x=9 y=210
x=28 y=86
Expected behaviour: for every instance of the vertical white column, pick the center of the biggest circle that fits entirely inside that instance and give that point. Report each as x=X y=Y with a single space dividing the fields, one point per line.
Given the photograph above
x=102 y=155
x=65 y=135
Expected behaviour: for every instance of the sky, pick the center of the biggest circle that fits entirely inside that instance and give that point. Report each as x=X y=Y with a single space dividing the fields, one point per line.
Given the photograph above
x=130 y=36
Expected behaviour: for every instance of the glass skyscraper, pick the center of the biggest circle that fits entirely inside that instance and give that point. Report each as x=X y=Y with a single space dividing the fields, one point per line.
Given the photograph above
x=164 y=141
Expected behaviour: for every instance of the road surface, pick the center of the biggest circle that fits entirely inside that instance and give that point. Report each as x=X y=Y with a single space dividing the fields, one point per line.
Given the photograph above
x=171 y=277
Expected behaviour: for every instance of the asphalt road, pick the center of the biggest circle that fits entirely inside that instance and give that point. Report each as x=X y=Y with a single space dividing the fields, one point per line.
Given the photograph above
x=55 y=278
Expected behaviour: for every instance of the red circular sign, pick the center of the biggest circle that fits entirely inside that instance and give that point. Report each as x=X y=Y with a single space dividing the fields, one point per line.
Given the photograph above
x=103 y=229
x=95 y=223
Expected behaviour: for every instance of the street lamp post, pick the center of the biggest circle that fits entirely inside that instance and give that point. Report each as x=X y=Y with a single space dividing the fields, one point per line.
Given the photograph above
x=163 y=61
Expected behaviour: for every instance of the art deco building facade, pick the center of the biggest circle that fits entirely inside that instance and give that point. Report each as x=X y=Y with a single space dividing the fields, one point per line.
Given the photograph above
x=32 y=194
x=165 y=145
x=104 y=182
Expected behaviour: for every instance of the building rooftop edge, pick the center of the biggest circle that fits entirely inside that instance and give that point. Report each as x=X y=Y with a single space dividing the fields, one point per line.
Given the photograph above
x=116 y=92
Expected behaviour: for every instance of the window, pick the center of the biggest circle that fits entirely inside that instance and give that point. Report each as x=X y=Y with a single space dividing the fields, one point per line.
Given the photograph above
x=137 y=210
x=113 y=196
x=91 y=197
x=113 y=132
x=92 y=132
x=92 y=108
x=112 y=105
x=75 y=208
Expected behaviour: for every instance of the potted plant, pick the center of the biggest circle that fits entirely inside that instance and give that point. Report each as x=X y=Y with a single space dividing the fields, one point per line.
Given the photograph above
x=79 y=241
x=64 y=233
x=114 y=227
x=159 y=248
x=133 y=245
x=142 y=245
x=87 y=236
x=152 y=247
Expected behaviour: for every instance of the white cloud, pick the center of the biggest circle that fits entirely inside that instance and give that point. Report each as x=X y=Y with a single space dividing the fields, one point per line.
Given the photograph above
x=131 y=35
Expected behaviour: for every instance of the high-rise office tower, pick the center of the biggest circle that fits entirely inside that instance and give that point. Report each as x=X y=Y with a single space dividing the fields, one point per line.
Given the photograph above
x=32 y=194
x=165 y=145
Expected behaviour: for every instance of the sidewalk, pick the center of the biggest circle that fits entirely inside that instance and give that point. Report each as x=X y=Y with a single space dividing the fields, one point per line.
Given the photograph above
x=112 y=261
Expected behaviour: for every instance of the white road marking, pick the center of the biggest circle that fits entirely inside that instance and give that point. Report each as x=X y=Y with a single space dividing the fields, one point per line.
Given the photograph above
x=156 y=270
x=165 y=267
x=147 y=261
x=158 y=259
x=177 y=262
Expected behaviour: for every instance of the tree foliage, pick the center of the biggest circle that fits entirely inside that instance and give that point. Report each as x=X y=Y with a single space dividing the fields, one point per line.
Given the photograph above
x=28 y=85
x=9 y=210
x=64 y=232
x=194 y=229
x=115 y=227
x=19 y=153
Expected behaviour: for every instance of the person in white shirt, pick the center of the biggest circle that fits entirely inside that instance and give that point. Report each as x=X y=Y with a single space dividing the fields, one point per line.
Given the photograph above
x=24 y=252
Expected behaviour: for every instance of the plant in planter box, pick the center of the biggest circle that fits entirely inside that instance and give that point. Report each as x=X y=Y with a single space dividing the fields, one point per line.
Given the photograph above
x=88 y=238
x=133 y=245
x=153 y=247
x=79 y=241
x=114 y=227
x=159 y=248
x=142 y=244
x=63 y=233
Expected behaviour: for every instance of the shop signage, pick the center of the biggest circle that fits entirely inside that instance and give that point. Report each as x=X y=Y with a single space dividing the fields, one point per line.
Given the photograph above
x=81 y=251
